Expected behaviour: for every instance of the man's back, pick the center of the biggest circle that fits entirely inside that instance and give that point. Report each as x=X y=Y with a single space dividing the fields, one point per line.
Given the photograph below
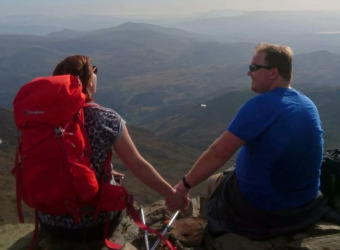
x=279 y=165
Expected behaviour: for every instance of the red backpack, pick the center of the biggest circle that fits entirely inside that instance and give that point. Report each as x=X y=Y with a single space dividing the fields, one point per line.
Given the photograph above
x=52 y=167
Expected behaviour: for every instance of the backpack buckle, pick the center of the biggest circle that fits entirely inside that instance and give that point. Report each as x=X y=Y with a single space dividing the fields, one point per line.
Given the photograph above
x=59 y=132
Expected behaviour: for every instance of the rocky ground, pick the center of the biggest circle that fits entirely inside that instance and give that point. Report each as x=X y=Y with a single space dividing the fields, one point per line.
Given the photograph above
x=187 y=233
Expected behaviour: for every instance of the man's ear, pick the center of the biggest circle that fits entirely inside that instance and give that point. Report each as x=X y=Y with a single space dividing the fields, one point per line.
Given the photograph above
x=274 y=73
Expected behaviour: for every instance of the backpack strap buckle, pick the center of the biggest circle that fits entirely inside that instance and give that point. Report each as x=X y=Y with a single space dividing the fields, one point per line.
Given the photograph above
x=59 y=132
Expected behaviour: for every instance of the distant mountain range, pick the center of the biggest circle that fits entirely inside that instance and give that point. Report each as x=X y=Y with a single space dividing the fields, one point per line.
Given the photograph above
x=141 y=59
x=306 y=31
x=150 y=73
x=124 y=51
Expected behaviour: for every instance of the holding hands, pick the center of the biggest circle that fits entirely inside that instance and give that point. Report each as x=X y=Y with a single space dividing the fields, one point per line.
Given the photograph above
x=179 y=200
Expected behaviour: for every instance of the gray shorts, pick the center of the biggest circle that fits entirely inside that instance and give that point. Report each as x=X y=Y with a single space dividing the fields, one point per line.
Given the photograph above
x=229 y=211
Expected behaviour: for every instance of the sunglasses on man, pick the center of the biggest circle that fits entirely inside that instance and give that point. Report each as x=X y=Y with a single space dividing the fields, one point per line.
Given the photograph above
x=255 y=67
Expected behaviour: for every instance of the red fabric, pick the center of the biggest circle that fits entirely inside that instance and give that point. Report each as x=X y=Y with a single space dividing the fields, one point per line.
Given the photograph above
x=53 y=100
x=113 y=198
x=53 y=167
x=112 y=245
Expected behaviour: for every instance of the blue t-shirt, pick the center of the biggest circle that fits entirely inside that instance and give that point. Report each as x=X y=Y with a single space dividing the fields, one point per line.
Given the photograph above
x=278 y=167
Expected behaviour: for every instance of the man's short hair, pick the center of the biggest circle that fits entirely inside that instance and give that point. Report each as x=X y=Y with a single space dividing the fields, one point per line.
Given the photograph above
x=278 y=56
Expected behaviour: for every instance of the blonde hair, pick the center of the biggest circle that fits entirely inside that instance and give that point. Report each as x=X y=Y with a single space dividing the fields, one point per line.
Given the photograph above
x=278 y=56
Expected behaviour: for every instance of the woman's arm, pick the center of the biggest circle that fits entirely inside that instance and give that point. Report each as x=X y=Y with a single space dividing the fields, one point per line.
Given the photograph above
x=143 y=170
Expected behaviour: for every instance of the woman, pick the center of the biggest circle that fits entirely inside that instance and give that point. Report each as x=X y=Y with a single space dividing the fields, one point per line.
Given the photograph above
x=106 y=129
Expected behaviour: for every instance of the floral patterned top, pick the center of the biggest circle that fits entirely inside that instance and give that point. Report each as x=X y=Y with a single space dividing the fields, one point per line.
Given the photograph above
x=104 y=127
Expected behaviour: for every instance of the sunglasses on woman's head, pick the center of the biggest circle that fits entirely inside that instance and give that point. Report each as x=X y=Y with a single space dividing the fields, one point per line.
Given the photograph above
x=94 y=69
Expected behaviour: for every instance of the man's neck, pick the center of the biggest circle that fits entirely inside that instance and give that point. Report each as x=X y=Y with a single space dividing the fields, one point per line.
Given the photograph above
x=281 y=83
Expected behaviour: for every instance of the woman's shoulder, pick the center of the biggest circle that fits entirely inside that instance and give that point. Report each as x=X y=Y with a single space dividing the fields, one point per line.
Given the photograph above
x=97 y=116
x=96 y=109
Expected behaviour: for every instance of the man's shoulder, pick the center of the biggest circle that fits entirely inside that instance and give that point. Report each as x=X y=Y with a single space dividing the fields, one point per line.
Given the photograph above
x=276 y=95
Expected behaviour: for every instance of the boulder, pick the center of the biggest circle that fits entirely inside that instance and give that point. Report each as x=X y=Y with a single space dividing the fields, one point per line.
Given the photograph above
x=187 y=233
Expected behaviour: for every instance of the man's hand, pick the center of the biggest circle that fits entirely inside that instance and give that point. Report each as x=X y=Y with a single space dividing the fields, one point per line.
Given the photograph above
x=179 y=200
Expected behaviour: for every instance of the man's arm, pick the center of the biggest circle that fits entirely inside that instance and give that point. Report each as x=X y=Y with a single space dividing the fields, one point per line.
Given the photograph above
x=214 y=158
x=210 y=161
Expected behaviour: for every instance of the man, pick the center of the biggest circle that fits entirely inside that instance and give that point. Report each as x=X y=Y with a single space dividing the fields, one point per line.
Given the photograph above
x=274 y=188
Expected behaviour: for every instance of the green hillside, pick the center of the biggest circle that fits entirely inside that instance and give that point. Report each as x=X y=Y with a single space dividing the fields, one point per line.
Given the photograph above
x=199 y=126
x=327 y=100
x=7 y=154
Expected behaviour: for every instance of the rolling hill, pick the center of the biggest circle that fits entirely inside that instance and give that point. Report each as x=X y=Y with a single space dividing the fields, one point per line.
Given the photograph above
x=129 y=50
x=7 y=154
x=305 y=31
x=151 y=73
x=199 y=126
x=148 y=72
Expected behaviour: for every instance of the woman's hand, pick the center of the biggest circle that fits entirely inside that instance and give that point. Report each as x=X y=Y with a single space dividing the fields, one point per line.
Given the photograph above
x=117 y=176
x=178 y=200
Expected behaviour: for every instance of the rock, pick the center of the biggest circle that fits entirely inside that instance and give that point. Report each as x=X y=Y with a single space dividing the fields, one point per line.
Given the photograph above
x=156 y=215
x=236 y=242
x=189 y=231
x=186 y=233
x=127 y=231
x=326 y=242
x=196 y=208
x=323 y=228
x=128 y=246
x=16 y=236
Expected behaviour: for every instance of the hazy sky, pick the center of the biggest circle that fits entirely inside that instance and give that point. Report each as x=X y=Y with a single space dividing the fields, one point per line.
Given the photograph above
x=151 y=7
